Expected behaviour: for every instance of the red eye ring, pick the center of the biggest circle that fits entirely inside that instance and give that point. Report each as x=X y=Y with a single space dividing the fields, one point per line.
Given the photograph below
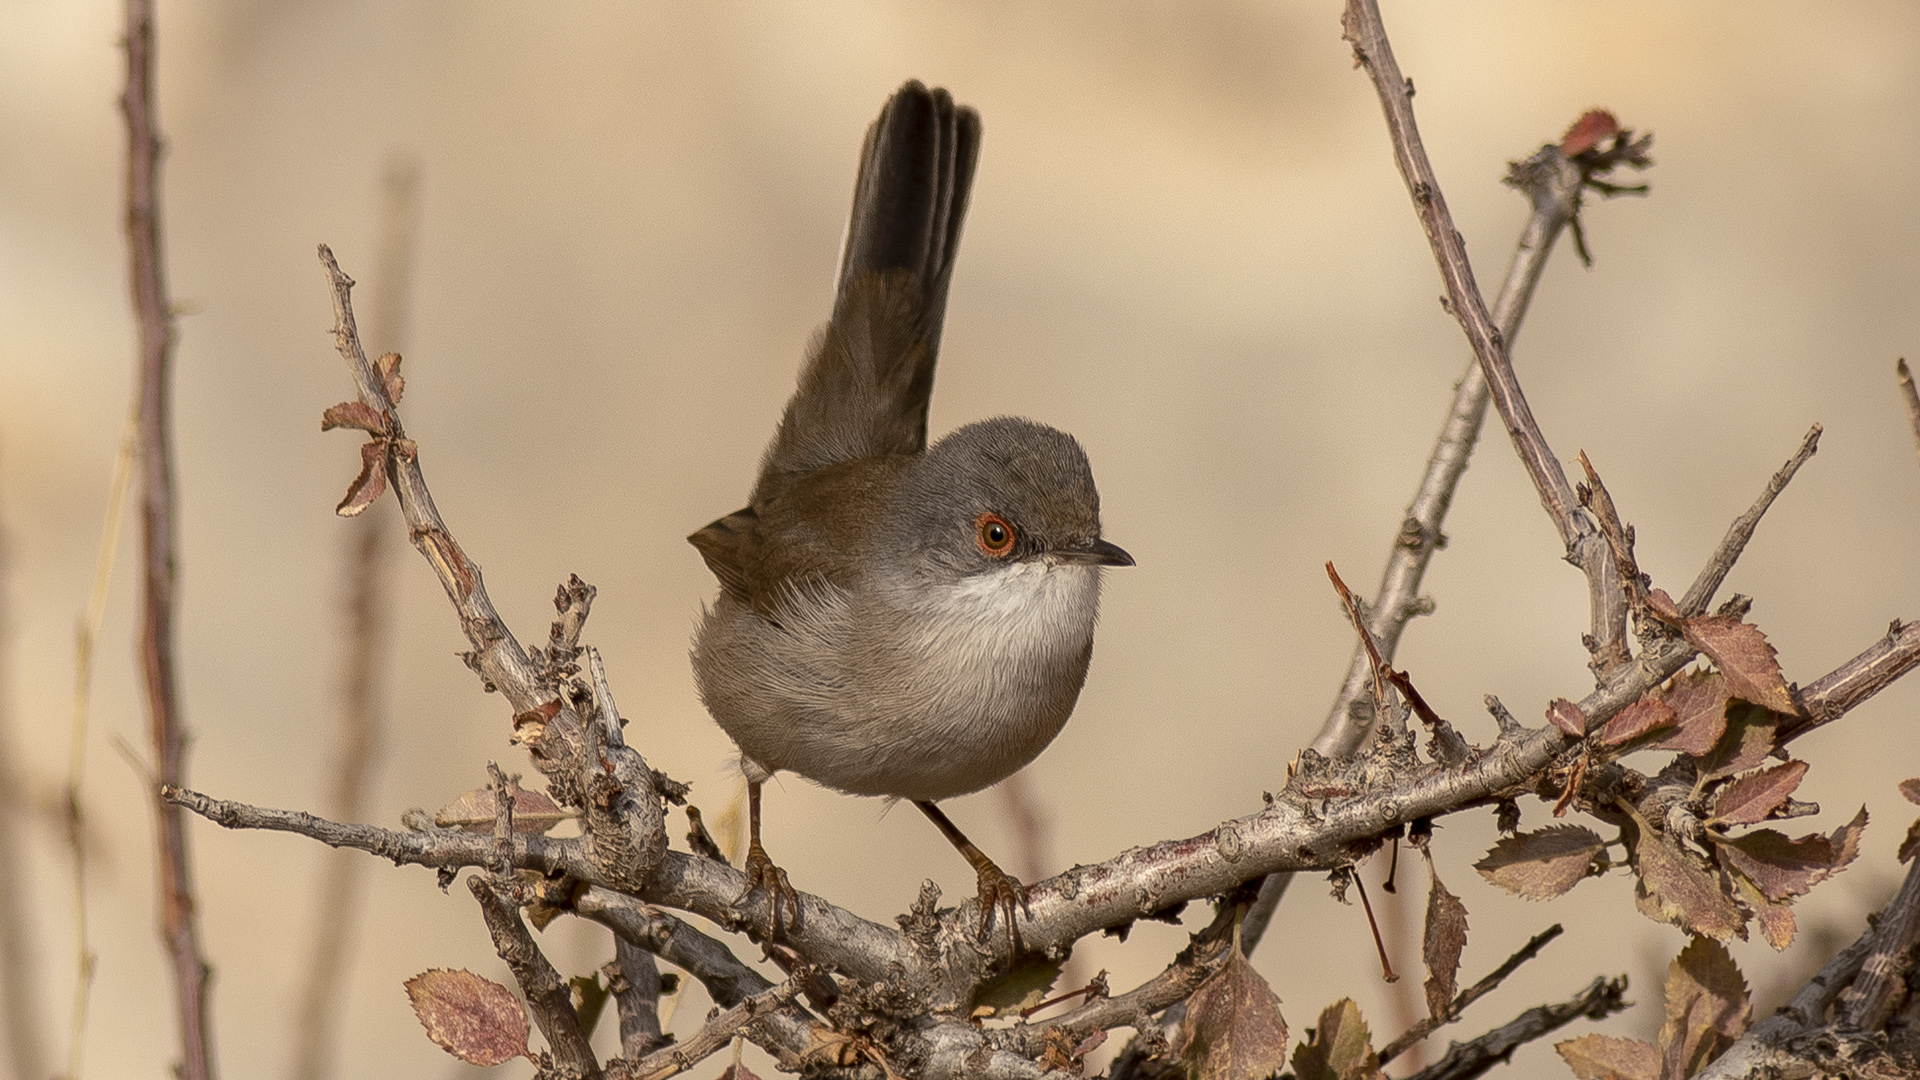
x=994 y=535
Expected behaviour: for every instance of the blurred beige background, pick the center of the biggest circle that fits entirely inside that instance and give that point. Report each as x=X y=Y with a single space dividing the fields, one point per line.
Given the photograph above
x=1187 y=245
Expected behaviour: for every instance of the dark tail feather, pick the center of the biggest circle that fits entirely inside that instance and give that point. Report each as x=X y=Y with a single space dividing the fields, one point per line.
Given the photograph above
x=868 y=377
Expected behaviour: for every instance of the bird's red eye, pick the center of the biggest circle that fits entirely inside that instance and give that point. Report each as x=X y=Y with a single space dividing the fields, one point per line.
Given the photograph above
x=994 y=535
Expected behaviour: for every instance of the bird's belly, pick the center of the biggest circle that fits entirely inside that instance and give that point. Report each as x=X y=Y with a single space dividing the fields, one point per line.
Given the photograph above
x=941 y=695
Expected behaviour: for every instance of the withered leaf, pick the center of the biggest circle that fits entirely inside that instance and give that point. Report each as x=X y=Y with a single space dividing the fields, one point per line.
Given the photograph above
x=388 y=368
x=1339 y=1048
x=1233 y=1028
x=1567 y=716
x=1776 y=919
x=1020 y=989
x=1442 y=941
x=533 y=811
x=1637 y=719
x=1544 y=864
x=1681 y=892
x=737 y=1072
x=1781 y=867
x=1706 y=1007
x=1911 y=789
x=1742 y=654
x=1911 y=845
x=476 y=1020
x=1846 y=843
x=354 y=414
x=370 y=483
x=1663 y=605
x=1746 y=742
x=1609 y=1057
x=1699 y=703
x=1752 y=797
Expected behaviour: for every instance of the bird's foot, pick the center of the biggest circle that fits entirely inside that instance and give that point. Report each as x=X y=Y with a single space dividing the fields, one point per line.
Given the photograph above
x=763 y=874
x=999 y=893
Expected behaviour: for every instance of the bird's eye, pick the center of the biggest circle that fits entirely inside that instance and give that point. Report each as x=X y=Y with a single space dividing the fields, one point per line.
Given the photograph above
x=994 y=535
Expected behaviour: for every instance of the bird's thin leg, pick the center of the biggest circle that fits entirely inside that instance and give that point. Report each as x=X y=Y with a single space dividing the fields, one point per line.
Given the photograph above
x=761 y=872
x=998 y=890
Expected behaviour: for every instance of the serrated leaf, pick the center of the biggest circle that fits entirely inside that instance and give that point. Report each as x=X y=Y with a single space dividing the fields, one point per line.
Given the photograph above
x=1609 y=1057
x=1911 y=790
x=372 y=480
x=1681 y=892
x=1594 y=127
x=1020 y=989
x=1567 y=716
x=1752 y=797
x=1706 y=1004
x=1846 y=843
x=1776 y=919
x=388 y=368
x=533 y=812
x=1699 y=703
x=1233 y=1029
x=1339 y=1048
x=1441 y=942
x=1746 y=742
x=1741 y=653
x=1911 y=845
x=353 y=414
x=1636 y=720
x=475 y=1019
x=1541 y=865
x=1781 y=867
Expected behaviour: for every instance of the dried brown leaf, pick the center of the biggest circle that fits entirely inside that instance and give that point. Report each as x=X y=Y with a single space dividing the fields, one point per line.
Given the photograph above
x=1699 y=703
x=1781 y=867
x=1594 y=127
x=1911 y=789
x=737 y=1072
x=533 y=811
x=1339 y=1048
x=1745 y=744
x=1706 y=1007
x=1663 y=605
x=1233 y=1028
x=1776 y=919
x=1638 y=719
x=1567 y=716
x=1911 y=845
x=1442 y=942
x=1609 y=1057
x=1752 y=797
x=388 y=368
x=1681 y=892
x=1541 y=865
x=354 y=414
x=370 y=483
x=476 y=1020
x=1846 y=843
x=1742 y=654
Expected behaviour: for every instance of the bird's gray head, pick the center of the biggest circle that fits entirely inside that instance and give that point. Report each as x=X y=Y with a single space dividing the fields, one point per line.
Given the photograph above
x=996 y=492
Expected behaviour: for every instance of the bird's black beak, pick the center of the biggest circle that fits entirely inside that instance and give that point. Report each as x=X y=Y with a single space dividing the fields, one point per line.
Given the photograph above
x=1094 y=553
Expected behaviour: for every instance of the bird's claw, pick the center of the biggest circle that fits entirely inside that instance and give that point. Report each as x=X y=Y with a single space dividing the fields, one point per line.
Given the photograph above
x=999 y=893
x=762 y=873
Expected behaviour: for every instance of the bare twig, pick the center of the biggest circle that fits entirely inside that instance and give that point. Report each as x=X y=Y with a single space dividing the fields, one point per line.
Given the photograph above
x=1428 y=1025
x=720 y=1030
x=548 y=996
x=727 y=980
x=1866 y=1004
x=1911 y=397
x=1735 y=542
x=366 y=611
x=1602 y=998
x=153 y=314
x=1830 y=696
x=633 y=978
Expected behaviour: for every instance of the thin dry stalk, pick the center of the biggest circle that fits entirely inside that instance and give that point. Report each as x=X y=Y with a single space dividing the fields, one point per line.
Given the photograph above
x=367 y=614
x=19 y=995
x=153 y=315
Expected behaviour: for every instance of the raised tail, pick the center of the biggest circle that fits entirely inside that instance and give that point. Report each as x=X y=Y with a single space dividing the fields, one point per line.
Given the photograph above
x=869 y=374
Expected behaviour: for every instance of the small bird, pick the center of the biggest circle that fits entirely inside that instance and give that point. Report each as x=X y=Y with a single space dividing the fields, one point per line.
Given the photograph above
x=895 y=619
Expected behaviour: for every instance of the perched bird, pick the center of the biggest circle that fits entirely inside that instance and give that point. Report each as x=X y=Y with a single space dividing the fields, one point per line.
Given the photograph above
x=895 y=619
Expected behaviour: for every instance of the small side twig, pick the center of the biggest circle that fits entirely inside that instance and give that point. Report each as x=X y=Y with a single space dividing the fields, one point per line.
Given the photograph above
x=548 y=996
x=634 y=980
x=153 y=316
x=1832 y=695
x=719 y=1031
x=1735 y=542
x=1602 y=998
x=1429 y=1024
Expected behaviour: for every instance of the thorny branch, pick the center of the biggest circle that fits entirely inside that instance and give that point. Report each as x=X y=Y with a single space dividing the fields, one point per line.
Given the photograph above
x=153 y=316
x=1463 y=1061
x=1470 y=995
